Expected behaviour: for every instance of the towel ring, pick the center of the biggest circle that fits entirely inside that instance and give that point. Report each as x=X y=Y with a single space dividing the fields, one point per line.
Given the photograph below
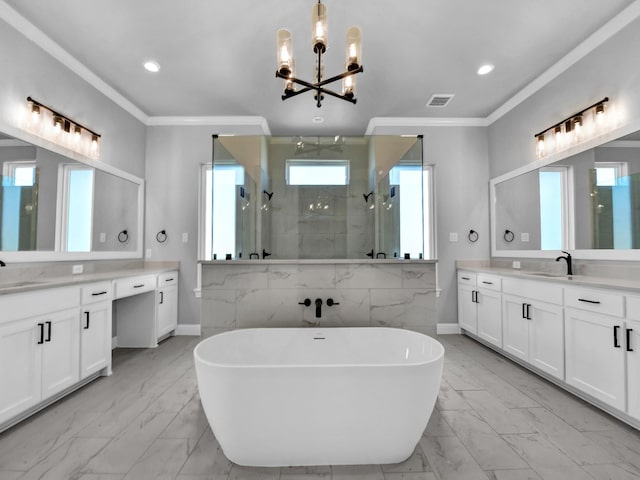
x=473 y=236
x=161 y=236
x=508 y=236
x=123 y=236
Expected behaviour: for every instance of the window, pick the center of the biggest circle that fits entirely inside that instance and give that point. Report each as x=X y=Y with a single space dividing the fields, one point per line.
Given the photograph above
x=217 y=219
x=553 y=208
x=317 y=172
x=76 y=208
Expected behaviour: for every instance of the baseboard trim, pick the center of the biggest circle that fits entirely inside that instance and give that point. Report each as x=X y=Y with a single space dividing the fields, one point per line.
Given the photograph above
x=448 y=329
x=191 y=329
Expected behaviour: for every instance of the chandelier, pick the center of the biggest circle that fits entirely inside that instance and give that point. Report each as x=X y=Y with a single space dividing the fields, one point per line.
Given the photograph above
x=286 y=63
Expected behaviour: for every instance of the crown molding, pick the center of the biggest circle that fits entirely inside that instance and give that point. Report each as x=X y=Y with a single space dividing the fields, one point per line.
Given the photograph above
x=419 y=122
x=222 y=121
x=33 y=33
x=604 y=33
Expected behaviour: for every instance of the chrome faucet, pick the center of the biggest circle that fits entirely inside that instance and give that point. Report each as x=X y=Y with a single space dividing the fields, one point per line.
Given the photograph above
x=567 y=258
x=318 y=307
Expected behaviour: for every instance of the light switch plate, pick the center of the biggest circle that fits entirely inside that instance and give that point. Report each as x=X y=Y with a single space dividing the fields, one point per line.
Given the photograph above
x=103 y=237
x=77 y=269
x=147 y=253
x=516 y=264
x=524 y=237
x=185 y=237
x=453 y=236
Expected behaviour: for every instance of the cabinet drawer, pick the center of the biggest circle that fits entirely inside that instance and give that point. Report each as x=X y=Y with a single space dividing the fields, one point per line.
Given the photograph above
x=633 y=307
x=126 y=287
x=535 y=290
x=167 y=279
x=95 y=292
x=595 y=301
x=17 y=306
x=467 y=278
x=489 y=282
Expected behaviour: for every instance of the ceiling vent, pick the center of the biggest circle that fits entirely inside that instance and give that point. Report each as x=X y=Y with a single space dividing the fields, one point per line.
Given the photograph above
x=440 y=100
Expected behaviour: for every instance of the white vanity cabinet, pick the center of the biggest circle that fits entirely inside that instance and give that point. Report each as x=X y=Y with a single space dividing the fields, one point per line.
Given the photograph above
x=632 y=350
x=595 y=344
x=95 y=328
x=166 y=304
x=479 y=305
x=532 y=324
x=38 y=347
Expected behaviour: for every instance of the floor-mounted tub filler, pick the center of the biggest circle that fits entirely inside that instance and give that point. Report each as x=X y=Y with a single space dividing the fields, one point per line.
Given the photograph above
x=318 y=396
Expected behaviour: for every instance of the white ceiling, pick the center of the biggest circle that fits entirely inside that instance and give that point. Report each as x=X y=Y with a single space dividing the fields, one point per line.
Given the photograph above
x=219 y=58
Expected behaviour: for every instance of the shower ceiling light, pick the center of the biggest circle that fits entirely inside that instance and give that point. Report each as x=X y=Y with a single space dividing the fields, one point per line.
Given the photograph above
x=487 y=68
x=319 y=30
x=151 y=66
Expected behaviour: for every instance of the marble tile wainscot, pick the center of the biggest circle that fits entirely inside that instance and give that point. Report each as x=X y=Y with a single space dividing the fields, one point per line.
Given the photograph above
x=389 y=293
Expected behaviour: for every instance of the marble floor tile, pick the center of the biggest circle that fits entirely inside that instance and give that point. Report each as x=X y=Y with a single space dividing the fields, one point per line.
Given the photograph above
x=526 y=474
x=450 y=459
x=357 y=472
x=489 y=450
x=623 y=444
x=100 y=476
x=6 y=475
x=410 y=476
x=545 y=458
x=437 y=425
x=163 y=460
x=496 y=414
x=253 y=473
x=207 y=458
x=573 y=443
x=190 y=422
x=612 y=472
x=449 y=399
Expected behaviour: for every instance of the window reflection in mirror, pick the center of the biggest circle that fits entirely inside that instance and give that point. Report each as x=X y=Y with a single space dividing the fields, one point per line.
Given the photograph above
x=19 y=205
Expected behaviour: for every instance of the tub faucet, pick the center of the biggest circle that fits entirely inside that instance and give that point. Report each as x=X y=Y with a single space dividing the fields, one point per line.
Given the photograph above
x=2 y=264
x=318 y=307
x=567 y=258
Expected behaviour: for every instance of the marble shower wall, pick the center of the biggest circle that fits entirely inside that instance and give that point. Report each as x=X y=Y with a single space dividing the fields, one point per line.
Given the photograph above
x=242 y=294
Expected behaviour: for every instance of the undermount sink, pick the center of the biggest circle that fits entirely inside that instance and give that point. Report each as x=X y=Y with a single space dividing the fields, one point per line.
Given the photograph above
x=547 y=274
x=24 y=283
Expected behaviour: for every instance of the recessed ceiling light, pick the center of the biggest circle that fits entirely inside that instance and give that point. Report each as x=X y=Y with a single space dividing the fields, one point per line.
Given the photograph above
x=484 y=69
x=151 y=66
x=317 y=119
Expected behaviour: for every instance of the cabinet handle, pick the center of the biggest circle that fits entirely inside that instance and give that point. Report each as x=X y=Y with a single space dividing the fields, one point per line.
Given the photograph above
x=629 y=330
x=528 y=317
x=48 y=332
x=596 y=302
x=524 y=310
x=169 y=279
x=465 y=278
x=161 y=298
x=97 y=294
x=86 y=327
x=487 y=283
x=139 y=285
x=615 y=336
x=41 y=326
x=474 y=296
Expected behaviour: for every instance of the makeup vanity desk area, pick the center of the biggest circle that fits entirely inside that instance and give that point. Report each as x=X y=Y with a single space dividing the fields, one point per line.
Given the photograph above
x=56 y=333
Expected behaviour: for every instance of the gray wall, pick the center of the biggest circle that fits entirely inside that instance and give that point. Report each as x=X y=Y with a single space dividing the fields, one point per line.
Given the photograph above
x=461 y=176
x=607 y=71
x=29 y=71
x=173 y=162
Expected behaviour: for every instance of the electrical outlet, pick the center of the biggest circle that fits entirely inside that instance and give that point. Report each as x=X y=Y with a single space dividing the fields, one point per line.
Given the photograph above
x=524 y=237
x=453 y=236
x=77 y=269
x=516 y=264
x=185 y=237
x=103 y=237
x=148 y=253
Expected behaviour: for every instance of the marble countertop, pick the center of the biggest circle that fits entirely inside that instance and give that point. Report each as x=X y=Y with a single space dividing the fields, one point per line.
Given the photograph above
x=565 y=280
x=10 y=285
x=316 y=261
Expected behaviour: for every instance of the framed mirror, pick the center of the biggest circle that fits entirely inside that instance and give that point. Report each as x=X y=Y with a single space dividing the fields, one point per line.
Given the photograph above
x=587 y=202
x=54 y=205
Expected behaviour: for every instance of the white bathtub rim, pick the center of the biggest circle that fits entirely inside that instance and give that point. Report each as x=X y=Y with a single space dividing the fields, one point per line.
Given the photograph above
x=435 y=359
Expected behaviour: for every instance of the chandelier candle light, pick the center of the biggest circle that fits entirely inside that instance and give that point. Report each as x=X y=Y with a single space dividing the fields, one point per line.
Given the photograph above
x=286 y=62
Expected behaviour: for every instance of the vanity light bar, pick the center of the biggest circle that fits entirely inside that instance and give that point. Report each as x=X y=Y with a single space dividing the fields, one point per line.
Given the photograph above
x=571 y=125
x=62 y=130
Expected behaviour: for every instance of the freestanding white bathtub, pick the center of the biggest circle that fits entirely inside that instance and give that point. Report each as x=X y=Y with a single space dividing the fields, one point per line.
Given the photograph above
x=318 y=396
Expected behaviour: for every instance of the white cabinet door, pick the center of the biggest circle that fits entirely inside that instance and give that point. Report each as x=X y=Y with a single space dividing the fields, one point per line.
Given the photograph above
x=632 y=344
x=467 y=308
x=515 y=327
x=167 y=311
x=95 y=338
x=489 y=304
x=20 y=365
x=60 y=352
x=595 y=355
x=546 y=337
